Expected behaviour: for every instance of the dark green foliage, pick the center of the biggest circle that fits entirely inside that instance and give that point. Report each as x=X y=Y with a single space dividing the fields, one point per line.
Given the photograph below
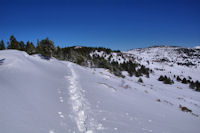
x=165 y=80
x=30 y=48
x=184 y=81
x=140 y=80
x=130 y=67
x=107 y=50
x=192 y=85
x=197 y=84
x=22 y=46
x=14 y=44
x=142 y=71
x=46 y=48
x=168 y=81
x=79 y=60
x=178 y=78
x=138 y=74
x=161 y=78
x=58 y=53
x=2 y=45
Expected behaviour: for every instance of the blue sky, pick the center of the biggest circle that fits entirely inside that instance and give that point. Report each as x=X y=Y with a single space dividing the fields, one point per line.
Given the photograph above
x=116 y=24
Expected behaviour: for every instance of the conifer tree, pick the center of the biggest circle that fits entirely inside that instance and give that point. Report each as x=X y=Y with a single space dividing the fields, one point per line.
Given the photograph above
x=14 y=44
x=22 y=46
x=30 y=48
x=184 y=81
x=140 y=80
x=46 y=48
x=2 y=45
x=192 y=85
x=197 y=84
x=58 y=53
x=161 y=78
x=178 y=78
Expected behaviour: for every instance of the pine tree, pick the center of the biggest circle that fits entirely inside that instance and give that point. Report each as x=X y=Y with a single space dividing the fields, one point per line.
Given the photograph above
x=2 y=45
x=46 y=48
x=178 y=78
x=161 y=78
x=184 y=81
x=58 y=53
x=168 y=80
x=140 y=80
x=165 y=79
x=14 y=44
x=192 y=85
x=197 y=84
x=22 y=46
x=30 y=48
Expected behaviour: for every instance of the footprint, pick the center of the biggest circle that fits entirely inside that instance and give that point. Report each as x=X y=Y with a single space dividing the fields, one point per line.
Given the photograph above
x=61 y=99
x=60 y=114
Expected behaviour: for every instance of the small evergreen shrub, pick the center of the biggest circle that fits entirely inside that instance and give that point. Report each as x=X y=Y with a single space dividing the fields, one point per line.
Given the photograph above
x=165 y=80
x=140 y=80
x=178 y=78
x=184 y=81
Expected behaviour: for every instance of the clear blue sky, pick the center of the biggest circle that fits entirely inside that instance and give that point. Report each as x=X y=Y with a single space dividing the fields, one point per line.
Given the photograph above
x=116 y=24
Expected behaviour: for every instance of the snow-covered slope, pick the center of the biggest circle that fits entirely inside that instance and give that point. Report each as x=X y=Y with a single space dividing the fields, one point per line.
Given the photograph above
x=197 y=47
x=168 y=60
x=51 y=96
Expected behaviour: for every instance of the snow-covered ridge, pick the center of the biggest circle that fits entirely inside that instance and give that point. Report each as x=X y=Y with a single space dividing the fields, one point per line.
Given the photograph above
x=168 y=55
x=171 y=60
x=52 y=96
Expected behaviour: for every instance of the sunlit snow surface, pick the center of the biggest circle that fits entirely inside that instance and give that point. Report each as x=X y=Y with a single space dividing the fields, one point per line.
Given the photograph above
x=51 y=96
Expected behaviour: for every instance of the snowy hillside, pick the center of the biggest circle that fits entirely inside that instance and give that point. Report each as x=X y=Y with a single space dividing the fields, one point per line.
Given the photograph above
x=197 y=47
x=169 y=55
x=52 y=96
x=169 y=60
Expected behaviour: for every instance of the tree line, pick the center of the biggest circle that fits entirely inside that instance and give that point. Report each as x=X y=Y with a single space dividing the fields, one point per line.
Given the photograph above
x=44 y=47
x=79 y=55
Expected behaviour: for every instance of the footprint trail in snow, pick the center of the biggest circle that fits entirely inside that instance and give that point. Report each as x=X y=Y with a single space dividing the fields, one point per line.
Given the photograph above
x=80 y=106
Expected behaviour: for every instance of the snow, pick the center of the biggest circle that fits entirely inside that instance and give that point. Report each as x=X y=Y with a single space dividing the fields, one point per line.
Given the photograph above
x=197 y=47
x=51 y=96
x=151 y=58
x=113 y=56
x=80 y=105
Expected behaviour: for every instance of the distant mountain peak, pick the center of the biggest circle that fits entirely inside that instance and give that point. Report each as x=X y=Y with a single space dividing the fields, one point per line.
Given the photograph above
x=197 y=47
x=163 y=46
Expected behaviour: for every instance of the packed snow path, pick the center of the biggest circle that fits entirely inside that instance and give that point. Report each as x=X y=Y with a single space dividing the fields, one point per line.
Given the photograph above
x=80 y=105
